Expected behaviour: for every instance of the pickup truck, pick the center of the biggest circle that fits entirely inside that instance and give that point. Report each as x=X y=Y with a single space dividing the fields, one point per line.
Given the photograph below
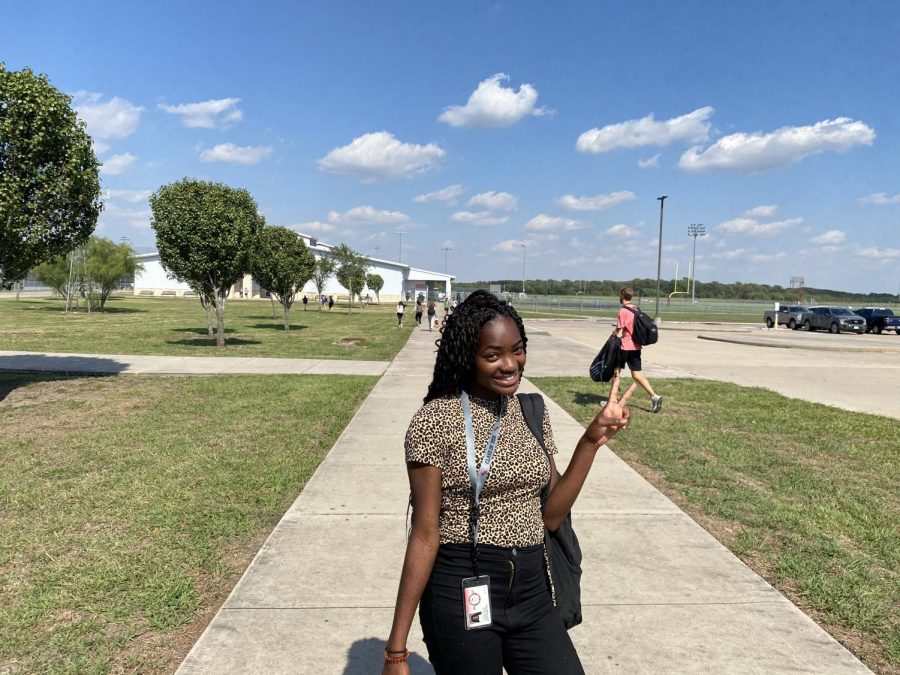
x=791 y=316
x=834 y=319
x=879 y=319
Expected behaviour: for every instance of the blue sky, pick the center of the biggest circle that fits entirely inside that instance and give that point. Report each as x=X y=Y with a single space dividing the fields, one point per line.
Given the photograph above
x=479 y=127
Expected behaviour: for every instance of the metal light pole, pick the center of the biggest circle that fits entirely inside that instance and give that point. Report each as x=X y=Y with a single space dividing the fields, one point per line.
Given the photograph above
x=695 y=230
x=400 y=246
x=662 y=200
x=523 y=267
x=446 y=250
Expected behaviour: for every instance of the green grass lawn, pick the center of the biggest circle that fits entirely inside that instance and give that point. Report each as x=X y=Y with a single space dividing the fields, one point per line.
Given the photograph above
x=130 y=505
x=815 y=511
x=176 y=326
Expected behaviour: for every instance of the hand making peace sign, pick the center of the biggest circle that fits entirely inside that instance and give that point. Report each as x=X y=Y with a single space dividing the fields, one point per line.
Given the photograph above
x=613 y=416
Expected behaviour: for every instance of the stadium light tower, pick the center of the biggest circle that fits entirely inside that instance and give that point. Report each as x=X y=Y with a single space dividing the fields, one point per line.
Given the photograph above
x=400 y=246
x=523 y=266
x=662 y=200
x=446 y=250
x=695 y=230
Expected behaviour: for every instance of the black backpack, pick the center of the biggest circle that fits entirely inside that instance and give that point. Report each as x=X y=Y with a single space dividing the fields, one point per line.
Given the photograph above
x=645 y=331
x=563 y=549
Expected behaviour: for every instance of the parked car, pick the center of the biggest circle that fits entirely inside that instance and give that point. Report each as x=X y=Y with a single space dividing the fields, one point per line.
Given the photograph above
x=879 y=319
x=791 y=316
x=834 y=319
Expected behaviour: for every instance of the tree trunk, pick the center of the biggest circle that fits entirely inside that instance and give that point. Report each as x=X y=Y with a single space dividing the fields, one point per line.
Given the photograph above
x=220 y=316
x=287 y=316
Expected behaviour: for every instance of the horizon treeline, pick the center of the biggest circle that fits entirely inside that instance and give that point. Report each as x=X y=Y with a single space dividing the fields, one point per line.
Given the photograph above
x=705 y=290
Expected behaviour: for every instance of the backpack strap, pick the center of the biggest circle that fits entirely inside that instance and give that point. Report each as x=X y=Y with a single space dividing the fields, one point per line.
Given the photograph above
x=533 y=410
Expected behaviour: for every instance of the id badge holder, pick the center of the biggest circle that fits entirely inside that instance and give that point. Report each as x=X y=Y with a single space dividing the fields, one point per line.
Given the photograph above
x=477 y=601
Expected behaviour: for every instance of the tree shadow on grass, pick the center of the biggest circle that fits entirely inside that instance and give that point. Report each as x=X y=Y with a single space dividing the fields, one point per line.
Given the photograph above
x=23 y=369
x=199 y=331
x=211 y=342
x=580 y=398
x=367 y=656
x=81 y=310
x=279 y=326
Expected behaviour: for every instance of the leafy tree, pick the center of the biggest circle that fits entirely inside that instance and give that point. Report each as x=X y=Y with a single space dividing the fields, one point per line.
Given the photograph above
x=351 y=270
x=280 y=262
x=325 y=267
x=107 y=263
x=55 y=274
x=376 y=283
x=204 y=233
x=49 y=183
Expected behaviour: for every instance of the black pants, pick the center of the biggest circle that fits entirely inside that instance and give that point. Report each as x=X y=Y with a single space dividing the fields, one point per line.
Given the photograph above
x=527 y=636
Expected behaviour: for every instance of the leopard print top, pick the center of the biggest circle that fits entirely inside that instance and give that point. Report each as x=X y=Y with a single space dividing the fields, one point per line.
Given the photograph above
x=511 y=498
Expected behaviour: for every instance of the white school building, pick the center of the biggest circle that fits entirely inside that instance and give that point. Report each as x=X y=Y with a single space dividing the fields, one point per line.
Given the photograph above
x=400 y=280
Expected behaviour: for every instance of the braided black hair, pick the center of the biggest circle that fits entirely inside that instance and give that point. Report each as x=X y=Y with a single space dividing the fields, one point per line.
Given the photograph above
x=459 y=338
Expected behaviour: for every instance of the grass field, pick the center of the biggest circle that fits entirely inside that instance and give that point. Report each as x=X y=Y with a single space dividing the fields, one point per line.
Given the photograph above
x=175 y=326
x=805 y=494
x=130 y=506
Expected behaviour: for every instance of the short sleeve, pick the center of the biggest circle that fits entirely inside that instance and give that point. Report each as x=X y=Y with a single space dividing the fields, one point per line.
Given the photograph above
x=548 y=433
x=620 y=319
x=423 y=442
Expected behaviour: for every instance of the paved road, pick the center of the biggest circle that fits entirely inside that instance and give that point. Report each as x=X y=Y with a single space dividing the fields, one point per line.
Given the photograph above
x=854 y=372
x=660 y=594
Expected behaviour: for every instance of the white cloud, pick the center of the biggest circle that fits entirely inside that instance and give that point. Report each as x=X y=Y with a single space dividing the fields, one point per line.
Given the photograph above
x=767 y=257
x=650 y=162
x=447 y=243
x=730 y=255
x=621 y=230
x=492 y=105
x=447 y=194
x=478 y=218
x=880 y=198
x=510 y=245
x=753 y=226
x=785 y=146
x=692 y=128
x=830 y=238
x=881 y=253
x=116 y=164
x=367 y=215
x=313 y=226
x=236 y=154
x=113 y=214
x=544 y=223
x=115 y=118
x=763 y=211
x=380 y=156
x=213 y=114
x=495 y=201
x=130 y=196
x=596 y=203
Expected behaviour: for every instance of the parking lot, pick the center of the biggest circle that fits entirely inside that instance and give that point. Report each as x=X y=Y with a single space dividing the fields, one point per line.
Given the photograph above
x=855 y=372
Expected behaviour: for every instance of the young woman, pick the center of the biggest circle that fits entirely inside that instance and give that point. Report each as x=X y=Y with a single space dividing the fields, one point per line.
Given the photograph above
x=419 y=311
x=431 y=312
x=401 y=308
x=471 y=408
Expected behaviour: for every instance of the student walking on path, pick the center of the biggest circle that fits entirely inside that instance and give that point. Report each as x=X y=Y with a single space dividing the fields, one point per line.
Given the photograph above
x=430 y=313
x=418 y=312
x=400 y=309
x=459 y=532
x=631 y=352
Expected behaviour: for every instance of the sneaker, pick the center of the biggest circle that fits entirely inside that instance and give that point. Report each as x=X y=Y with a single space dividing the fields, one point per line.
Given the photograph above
x=655 y=403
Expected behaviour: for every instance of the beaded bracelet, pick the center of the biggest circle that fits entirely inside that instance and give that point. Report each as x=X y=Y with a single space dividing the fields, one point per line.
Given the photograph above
x=396 y=657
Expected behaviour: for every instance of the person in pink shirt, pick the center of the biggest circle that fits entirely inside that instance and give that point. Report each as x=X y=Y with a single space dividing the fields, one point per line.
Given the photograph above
x=631 y=352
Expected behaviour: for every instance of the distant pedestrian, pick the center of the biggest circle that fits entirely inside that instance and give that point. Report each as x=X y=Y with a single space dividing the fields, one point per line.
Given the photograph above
x=631 y=352
x=305 y=300
x=453 y=306
x=330 y=302
x=431 y=312
x=446 y=307
x=323 y=300
x=418 y=312
x=401 y=308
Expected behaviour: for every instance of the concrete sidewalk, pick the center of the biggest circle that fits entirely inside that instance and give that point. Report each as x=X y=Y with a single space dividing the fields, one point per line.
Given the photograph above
x=660 y=594
x=130 y=364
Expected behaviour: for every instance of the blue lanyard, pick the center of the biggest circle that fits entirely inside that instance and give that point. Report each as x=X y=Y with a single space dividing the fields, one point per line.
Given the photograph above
x=478 y=476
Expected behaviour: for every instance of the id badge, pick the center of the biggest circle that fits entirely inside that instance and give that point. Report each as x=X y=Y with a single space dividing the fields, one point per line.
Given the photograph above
x=477 y=601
